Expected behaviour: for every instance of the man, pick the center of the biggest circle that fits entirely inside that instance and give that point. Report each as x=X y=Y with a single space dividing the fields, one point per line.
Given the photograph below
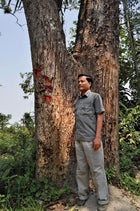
x=89 y=150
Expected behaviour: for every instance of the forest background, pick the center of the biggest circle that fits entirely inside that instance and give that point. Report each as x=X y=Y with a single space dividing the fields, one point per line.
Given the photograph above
x=17 y=149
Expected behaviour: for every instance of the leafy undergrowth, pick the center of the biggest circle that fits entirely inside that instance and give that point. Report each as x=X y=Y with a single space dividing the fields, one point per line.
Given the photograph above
x=19 y=190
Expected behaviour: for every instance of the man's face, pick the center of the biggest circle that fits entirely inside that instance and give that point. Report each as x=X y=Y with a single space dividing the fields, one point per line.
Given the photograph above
x=83 y=84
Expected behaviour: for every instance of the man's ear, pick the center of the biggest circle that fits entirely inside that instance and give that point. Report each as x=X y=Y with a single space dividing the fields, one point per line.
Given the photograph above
x=90 y=84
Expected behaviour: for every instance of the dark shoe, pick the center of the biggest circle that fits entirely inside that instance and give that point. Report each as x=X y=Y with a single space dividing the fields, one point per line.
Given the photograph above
x=81 y=202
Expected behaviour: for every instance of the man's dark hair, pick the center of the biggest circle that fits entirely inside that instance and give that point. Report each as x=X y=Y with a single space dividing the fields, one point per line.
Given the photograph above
x=88 y=77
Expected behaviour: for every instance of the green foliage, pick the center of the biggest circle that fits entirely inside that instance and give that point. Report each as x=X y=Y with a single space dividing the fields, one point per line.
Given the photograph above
x=70 y=4
x=129 y=132
x=129 y=50
x=130 y=126
x=123 y=180
x=130 y=183
x=129 y=140
x=72 y=37
x=45 y=190
x=19 y=189
x=27 y=84
x=4 y=119
x=17 y=155
x=112 y=176
x=28 y=121
x=10 y=6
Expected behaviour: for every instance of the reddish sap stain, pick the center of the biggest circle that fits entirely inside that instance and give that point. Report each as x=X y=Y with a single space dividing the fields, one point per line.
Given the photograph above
x=47 y=79
x=47 y=98
x=37 y=73
x=49 y=88
x=37 y=70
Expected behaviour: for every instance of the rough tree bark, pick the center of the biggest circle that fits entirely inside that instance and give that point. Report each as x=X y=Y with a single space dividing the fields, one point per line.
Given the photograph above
x=55 y=75
x=54 y=83
x=96 y=50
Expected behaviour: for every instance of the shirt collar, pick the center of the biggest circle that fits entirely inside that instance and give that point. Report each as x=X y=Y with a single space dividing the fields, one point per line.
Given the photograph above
x=87 y=93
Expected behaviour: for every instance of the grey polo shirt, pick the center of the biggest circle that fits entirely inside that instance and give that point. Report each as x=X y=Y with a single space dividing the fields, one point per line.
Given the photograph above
x=86 y=108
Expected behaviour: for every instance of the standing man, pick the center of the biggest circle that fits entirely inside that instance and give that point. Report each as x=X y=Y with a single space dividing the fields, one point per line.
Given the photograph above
x=89 y=150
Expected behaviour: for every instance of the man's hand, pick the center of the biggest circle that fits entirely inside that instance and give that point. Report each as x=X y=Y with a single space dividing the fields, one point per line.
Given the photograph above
x=96 y=143
x=97 y=140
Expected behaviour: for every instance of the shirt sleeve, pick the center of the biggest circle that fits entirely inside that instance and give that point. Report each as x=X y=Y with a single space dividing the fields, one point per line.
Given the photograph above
x=98 y=103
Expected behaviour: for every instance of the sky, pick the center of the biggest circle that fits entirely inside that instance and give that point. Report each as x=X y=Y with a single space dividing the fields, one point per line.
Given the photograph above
x=15 y=58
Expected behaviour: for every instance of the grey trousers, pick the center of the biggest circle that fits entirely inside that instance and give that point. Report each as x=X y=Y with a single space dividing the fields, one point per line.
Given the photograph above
x=91 y=162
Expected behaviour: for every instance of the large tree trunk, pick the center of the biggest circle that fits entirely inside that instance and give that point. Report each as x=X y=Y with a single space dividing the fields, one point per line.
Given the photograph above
x=55 y=76
x=54 y=84
x=97 y=51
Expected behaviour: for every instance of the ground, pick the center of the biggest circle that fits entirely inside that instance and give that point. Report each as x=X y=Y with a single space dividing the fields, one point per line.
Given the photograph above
x=120 y=200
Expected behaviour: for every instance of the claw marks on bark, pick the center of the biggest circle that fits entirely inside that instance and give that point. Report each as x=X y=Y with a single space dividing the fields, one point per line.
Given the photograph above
x=47 y=98
x=37 y=70
x=44 y=83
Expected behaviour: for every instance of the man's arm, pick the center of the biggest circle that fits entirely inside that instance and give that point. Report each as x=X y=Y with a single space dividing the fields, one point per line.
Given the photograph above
x=97 y=139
